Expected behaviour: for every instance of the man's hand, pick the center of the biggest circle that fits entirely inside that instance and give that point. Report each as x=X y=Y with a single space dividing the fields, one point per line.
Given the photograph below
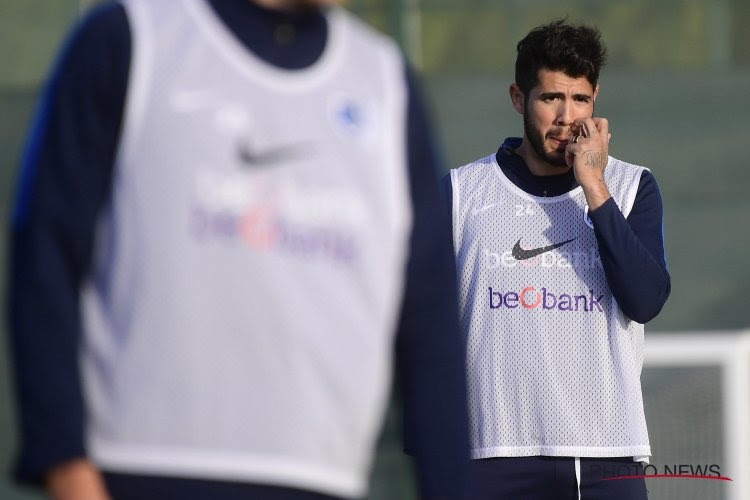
x=588 y=157
x=76 y=480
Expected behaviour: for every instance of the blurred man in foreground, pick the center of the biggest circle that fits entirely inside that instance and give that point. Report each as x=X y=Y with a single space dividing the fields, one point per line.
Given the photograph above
x=225 y=228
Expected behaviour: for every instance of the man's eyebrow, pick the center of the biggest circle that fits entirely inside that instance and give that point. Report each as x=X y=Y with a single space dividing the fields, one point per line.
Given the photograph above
x=561 y=95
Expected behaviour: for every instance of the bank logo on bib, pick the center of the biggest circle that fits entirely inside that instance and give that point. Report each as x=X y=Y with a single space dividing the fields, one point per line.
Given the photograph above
x=275 y=214
x=531 y=298
x=542 y=257
x=588 y=259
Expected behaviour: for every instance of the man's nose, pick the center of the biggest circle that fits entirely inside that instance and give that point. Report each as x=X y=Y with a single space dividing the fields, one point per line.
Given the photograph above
x=564 y=114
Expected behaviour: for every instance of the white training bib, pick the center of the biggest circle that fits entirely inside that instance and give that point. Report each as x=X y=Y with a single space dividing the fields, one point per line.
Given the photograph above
x=240 y=320
x=553 y=364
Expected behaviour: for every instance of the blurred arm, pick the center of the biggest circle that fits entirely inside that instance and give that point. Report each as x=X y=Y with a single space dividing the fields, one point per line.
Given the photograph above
x=64 y=181
x=632 y=252
x=76 y=479
x=430 y=351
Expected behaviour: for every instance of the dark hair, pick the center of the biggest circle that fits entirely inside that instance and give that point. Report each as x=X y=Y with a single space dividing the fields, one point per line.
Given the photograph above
x=558 y=46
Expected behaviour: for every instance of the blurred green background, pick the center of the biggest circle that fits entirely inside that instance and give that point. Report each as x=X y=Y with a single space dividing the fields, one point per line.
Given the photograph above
x=675 y=91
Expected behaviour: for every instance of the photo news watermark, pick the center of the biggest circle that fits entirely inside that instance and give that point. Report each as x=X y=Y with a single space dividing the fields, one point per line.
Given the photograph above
x=615 y=472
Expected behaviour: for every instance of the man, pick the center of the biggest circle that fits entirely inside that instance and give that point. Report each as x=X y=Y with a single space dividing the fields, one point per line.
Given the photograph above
x=560 y=258
x=226 y=213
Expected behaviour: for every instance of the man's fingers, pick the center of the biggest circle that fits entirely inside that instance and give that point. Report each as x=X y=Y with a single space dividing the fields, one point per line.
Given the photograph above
x=578 y=128
x=601 y=125
x=591 y=127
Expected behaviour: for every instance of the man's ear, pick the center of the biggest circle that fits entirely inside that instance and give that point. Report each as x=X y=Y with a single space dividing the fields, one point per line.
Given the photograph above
x=596 y=91
x=516 y=97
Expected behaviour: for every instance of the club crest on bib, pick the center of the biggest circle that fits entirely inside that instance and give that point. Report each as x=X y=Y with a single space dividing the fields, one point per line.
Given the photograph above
x=587 y=218
x=352 y=118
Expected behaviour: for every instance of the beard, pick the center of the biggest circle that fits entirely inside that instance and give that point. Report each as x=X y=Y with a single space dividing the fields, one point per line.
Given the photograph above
x=536 y=140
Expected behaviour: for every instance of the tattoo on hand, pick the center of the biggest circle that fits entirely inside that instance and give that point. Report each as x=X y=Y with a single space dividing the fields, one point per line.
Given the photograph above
x=595 y=158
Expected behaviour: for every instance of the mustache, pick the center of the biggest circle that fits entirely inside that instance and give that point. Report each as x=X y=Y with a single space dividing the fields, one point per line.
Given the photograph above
x=565 y=133
x=560 y=133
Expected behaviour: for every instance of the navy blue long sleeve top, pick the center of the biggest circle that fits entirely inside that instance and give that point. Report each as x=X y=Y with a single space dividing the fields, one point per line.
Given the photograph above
x=631 y=250
x=65 y=182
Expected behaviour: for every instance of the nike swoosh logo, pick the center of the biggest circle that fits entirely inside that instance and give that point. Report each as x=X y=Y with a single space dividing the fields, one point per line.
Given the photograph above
x=267 y=158
x=475 y=211
x=521 y=254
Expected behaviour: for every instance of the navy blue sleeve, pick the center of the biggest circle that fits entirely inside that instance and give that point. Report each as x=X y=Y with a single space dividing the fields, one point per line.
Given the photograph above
x=430 y=351
x=64 y=182
x=446 y=191
x=632 y=252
